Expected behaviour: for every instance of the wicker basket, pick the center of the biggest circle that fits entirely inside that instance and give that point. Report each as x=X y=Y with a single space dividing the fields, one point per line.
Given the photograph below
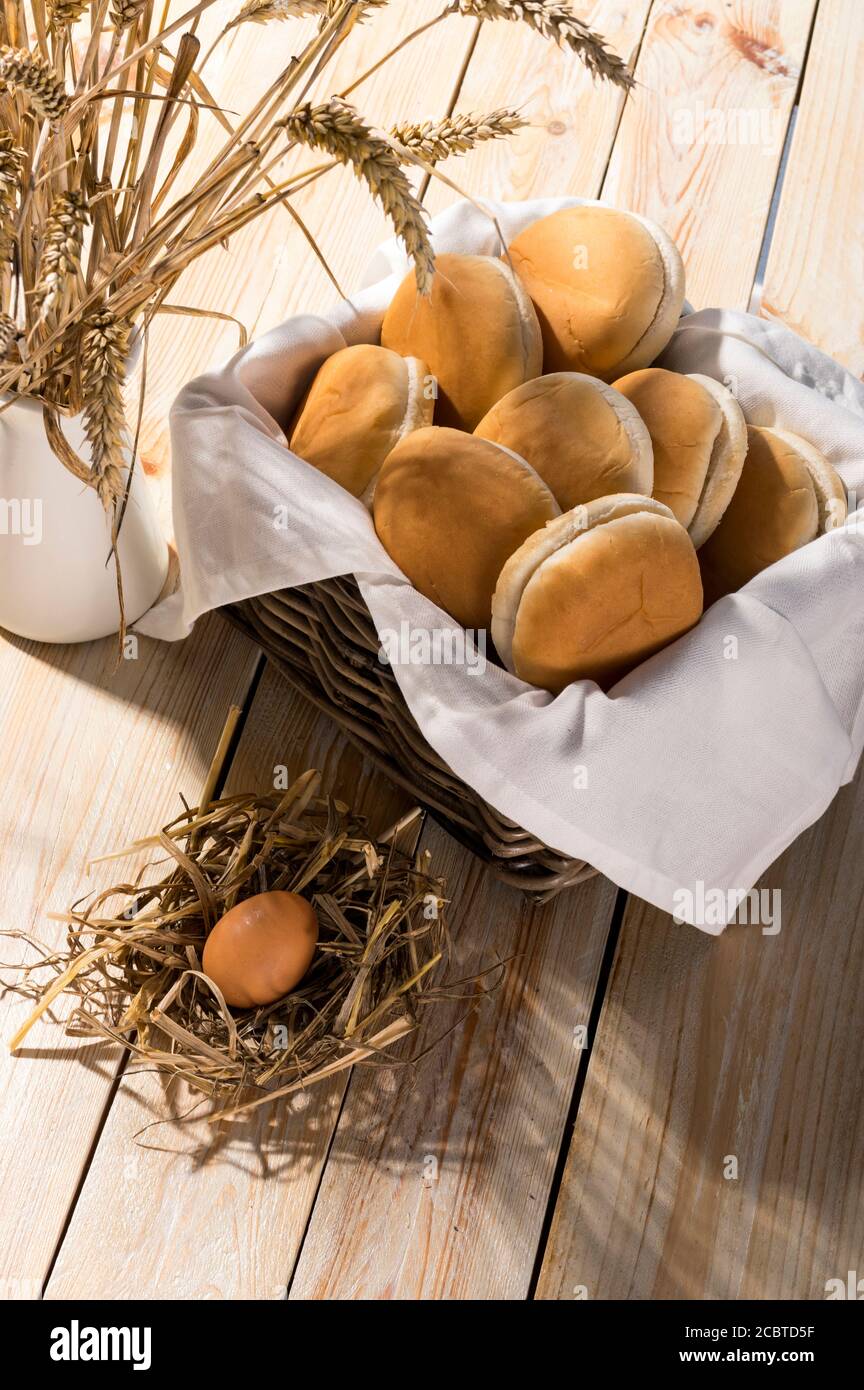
x=321 y=637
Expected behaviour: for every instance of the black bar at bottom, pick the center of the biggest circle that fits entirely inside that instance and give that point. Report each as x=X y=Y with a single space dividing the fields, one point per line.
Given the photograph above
x=209 y=1338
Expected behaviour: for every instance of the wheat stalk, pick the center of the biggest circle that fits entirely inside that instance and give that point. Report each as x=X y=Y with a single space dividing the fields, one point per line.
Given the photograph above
x=436 y=140
x=30 y=73
x=11 y=171
x=104 y=351
x=262 y=11
x=335 y=128
x=557 y=22
x=361 y=8
x=61 y=251
x=125 y=12
x=8 y=333
x=64 y=13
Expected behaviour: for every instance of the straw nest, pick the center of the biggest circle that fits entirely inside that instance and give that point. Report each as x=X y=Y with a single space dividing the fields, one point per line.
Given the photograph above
x=133 y=956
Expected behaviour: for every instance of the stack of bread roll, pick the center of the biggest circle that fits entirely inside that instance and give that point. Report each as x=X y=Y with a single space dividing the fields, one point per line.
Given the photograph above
x=534 y=475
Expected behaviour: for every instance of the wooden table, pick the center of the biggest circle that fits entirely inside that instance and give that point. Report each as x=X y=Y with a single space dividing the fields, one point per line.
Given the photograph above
x=514 y=1163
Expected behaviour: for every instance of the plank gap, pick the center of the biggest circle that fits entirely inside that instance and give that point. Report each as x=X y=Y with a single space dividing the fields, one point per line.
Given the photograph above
x=85 y=1167
x=755 y=304
x=604 y=975
x=628 y=96
x=234 y=743
x=314 y=1202
x=755 y=301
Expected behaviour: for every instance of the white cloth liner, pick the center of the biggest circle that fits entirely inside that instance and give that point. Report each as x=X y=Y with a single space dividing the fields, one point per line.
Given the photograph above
x=700 y=769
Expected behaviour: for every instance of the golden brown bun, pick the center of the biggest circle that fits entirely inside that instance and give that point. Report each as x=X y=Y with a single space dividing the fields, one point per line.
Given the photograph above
x=449 y=509
x=774 y=511
x=477 y=330
x=608 y=288
x=699 y=436
x=596 y=592
x=359 y=405
x=827 y=484
x=582 y=437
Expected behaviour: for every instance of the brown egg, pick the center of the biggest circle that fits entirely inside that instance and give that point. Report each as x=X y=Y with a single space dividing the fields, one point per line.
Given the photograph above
x=261 y=948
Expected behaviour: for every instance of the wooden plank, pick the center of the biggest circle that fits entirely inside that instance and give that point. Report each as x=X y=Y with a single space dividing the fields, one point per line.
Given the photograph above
x=261 y=1202
x=700 y=146
x=817 y=238
x=749 y=1048
x=573 y=121
x=204 y=1214
x=437 y=1181
x=91 y=757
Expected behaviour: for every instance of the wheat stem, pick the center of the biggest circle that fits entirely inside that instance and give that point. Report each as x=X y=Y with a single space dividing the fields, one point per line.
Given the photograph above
x=132 y=58
x=392 y=52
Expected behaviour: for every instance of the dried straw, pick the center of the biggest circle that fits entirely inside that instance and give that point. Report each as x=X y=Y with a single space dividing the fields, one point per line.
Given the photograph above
x=133 y=958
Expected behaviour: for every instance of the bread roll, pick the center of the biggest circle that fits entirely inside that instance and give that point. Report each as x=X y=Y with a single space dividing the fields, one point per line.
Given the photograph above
x=362 y=401
x=608 y=288
x=787 y=494
x=583 y=438
x=595 y=593
x=476 y=329
x=450 y=508
x=699 y=436
x=831 y=500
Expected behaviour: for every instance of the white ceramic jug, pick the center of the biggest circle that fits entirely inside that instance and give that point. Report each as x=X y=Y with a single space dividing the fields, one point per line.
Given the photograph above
x=55 y=539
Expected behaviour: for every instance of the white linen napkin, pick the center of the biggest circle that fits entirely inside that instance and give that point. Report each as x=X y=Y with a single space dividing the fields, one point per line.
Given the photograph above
x=687 y=779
